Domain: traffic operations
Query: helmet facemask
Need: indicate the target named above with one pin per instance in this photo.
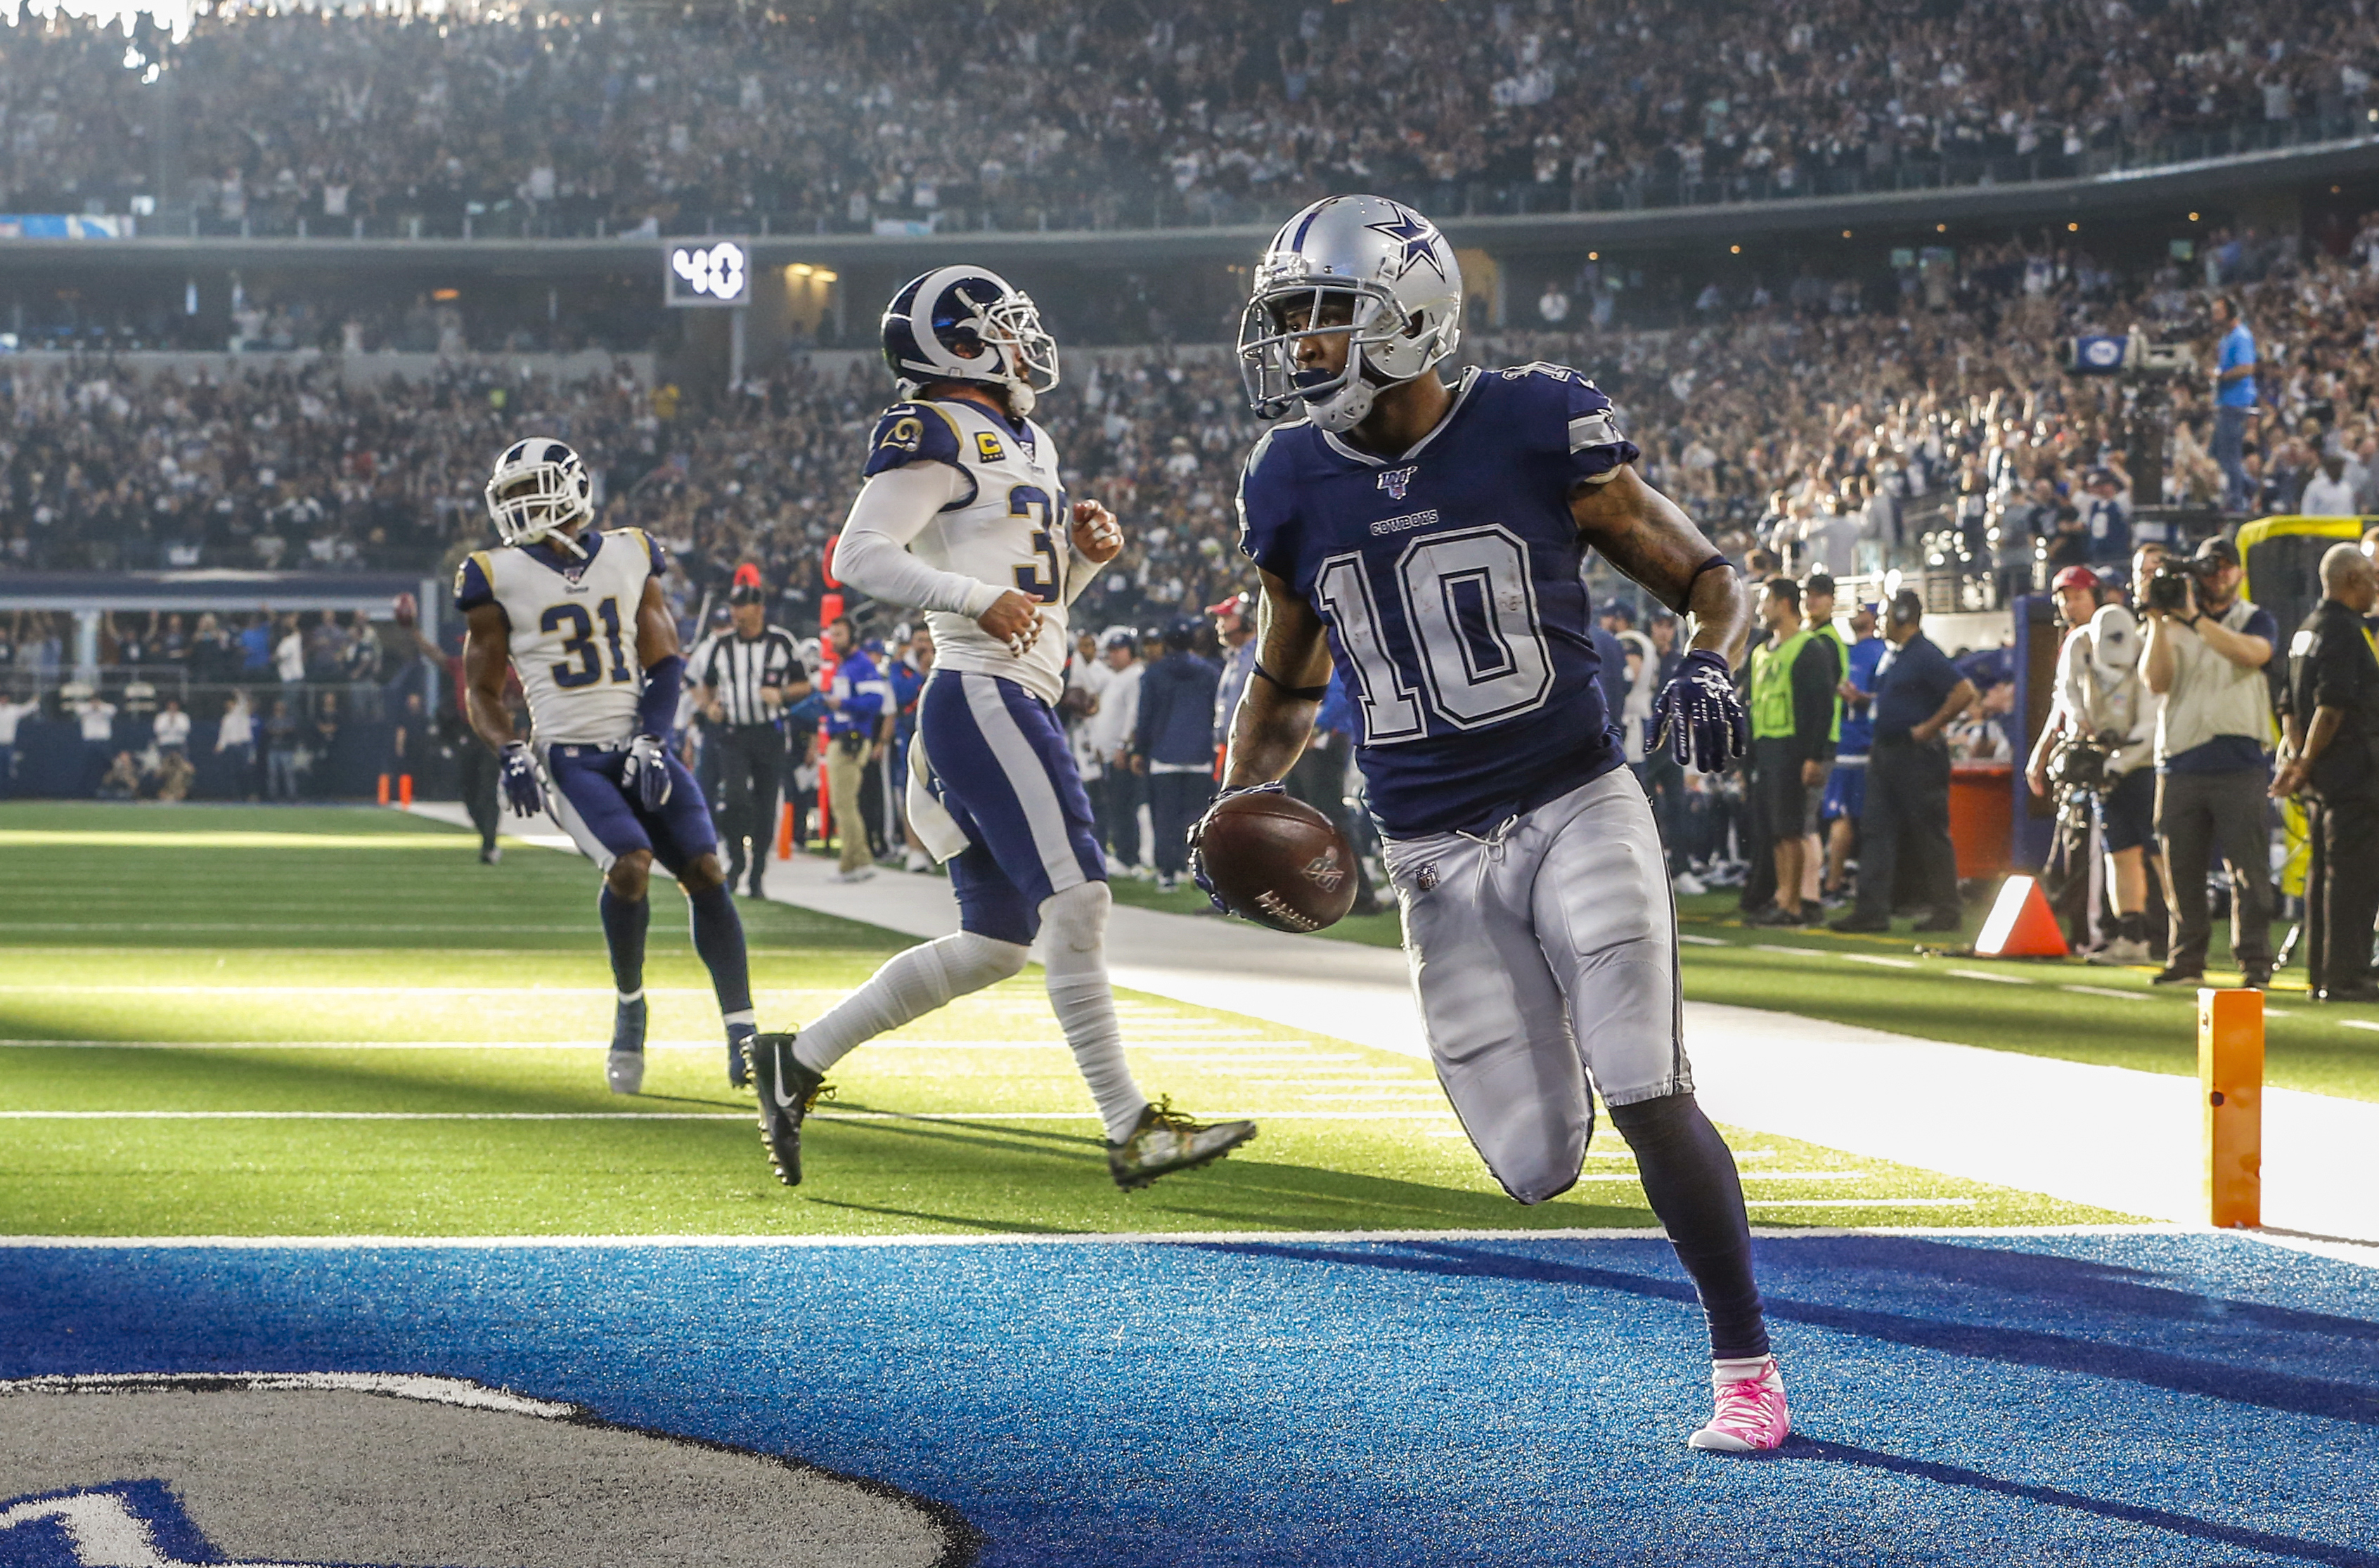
(1385, 346)
(540, 501)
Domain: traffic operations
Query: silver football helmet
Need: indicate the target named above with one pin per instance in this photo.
(539, 492)
(1384, 276)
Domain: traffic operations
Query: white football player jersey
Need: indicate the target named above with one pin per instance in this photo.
(1011, 531)
(574, 629)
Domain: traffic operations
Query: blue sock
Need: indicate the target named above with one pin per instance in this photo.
(718, 937)
(624, 933)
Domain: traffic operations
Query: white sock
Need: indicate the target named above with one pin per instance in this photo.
(1740, 1369)
(909, 985)
(1074, 952)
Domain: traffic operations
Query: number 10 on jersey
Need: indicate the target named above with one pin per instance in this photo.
(1469, 608)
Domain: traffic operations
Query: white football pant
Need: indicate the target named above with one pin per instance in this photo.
(1544, 959)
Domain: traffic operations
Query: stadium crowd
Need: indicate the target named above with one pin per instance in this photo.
(1852, 430)
(861, 113)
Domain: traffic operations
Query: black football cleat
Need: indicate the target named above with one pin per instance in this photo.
(786, 1090)
(1166, 1141)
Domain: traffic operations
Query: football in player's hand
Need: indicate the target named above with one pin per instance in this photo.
(1278, 862)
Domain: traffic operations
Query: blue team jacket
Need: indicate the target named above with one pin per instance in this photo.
(1177, 710)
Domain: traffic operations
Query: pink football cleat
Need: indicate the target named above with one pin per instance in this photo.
(1751, 1416)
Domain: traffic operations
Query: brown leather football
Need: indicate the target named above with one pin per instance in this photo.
(1278, 862)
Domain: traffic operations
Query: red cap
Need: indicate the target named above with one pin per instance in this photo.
(2076, 577)
(1238, 604)
(747, 577)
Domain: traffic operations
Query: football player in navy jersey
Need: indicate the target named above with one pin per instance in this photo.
(1428, 537)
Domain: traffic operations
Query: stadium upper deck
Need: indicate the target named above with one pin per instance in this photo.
(886, 117)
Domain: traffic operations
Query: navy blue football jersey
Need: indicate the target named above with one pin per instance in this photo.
(1449, 581)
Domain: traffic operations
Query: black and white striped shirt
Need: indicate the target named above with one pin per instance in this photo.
(736, 667)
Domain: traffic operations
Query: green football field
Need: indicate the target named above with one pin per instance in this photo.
(256, 1021)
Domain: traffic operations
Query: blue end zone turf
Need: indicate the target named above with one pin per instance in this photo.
(2153, 1399)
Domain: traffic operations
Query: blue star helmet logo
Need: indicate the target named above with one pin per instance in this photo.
(1418, 239)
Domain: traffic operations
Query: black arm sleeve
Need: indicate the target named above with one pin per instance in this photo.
(1814, 680)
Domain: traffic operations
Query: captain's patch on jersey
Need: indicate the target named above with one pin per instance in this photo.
(987, 447)
(283, 1470)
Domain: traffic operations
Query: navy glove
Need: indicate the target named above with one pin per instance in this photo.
(1700, 715)
(524, 790)
(1197, 834)
(647, 772)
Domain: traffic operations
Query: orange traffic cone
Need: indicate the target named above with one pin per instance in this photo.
(2021, 925)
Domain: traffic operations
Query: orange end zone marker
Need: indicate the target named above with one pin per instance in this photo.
(785, 831)
(2231, 1082)
(404, 790)
(383, 789)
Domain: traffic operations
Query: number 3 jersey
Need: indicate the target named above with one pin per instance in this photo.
(1005, 527)
(573, 627)
(1448, 580)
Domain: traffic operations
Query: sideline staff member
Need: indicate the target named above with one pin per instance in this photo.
(1918, 692)
(1794, 726)
(2206, 661)
(2333, 751)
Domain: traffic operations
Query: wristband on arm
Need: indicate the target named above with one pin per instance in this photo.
(1715, 564)
(1302, 694)
(657, 708)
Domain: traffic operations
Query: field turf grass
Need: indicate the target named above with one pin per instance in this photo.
(1908, 983)
(242, 1023)
(252, 1021)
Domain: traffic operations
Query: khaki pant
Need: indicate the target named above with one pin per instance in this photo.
(846, 775)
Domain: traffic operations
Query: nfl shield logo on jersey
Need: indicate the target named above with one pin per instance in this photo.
(1396, 481)
(297, 1470)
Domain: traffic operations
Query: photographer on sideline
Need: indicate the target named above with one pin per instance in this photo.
(2333, 757)
(2102, 704)
(2205, 652)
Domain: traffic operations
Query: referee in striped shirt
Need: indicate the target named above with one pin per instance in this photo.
(742, 684)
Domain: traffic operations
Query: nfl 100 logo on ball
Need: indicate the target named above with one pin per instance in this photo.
(1277, 862)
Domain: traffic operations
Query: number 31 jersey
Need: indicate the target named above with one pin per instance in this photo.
(1007, 527)
(1448, 581)
(573, 627)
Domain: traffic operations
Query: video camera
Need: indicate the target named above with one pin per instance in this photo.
(2133, 357)
(2168, 586)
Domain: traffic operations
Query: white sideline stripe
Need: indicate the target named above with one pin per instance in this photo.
(1790, 952)
(1858, 1203)
(1271, 1114)
(1175, 1055)
(2107, 991)
(1042, 1238)
(386, 993)
(1880, 958)
(1692, 941)
(1986, 974)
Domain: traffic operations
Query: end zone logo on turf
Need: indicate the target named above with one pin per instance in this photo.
(283, 1470)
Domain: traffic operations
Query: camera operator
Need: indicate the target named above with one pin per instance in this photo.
(2333, 757)
(2102, 706)
(2206, 653)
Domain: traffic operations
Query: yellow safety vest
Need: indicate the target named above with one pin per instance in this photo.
(1771, 687)
(1841, 671)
